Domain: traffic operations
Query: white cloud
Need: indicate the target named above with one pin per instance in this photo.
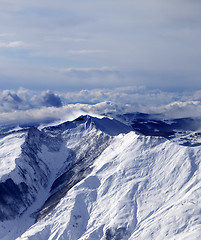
(14, 44)
(179, 109)
(53, 114)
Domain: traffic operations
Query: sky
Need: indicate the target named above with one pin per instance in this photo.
(62, 58)
(70, 45)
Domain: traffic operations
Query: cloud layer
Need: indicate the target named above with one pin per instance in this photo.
(30, 107)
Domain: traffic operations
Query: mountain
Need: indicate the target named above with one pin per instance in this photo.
(183, 131)
(133, 177)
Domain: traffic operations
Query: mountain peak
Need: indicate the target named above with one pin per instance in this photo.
(109, 126)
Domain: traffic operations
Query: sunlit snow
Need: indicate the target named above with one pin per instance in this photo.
(130, 186)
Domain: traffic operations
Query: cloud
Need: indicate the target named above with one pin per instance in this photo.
(51, 99)
(25, 99)
(14, 44)
(124, 95)
(45, 115)
(48, 114)
(178, 109)
(10, 101)
(139, 99)
(30, 107)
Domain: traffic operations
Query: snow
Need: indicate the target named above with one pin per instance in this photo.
(111, 126)
(44, 156)
(10, 149)
(140, 188)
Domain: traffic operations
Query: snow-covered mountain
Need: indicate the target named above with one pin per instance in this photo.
(133, 177)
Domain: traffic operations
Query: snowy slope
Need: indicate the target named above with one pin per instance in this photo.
(97, 179)
(140, 188)
(38, 160)
(10, 150)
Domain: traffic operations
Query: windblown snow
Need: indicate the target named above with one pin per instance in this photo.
(98, 179)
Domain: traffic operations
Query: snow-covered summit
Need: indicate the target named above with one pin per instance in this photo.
(109, 126)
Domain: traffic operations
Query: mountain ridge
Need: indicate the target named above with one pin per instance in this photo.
(105, 175)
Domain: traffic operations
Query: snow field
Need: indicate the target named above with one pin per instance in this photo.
(140, 188)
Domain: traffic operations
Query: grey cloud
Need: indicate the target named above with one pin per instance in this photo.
(50, 99)
(10, 100)
(11, 97)
(25, 100)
